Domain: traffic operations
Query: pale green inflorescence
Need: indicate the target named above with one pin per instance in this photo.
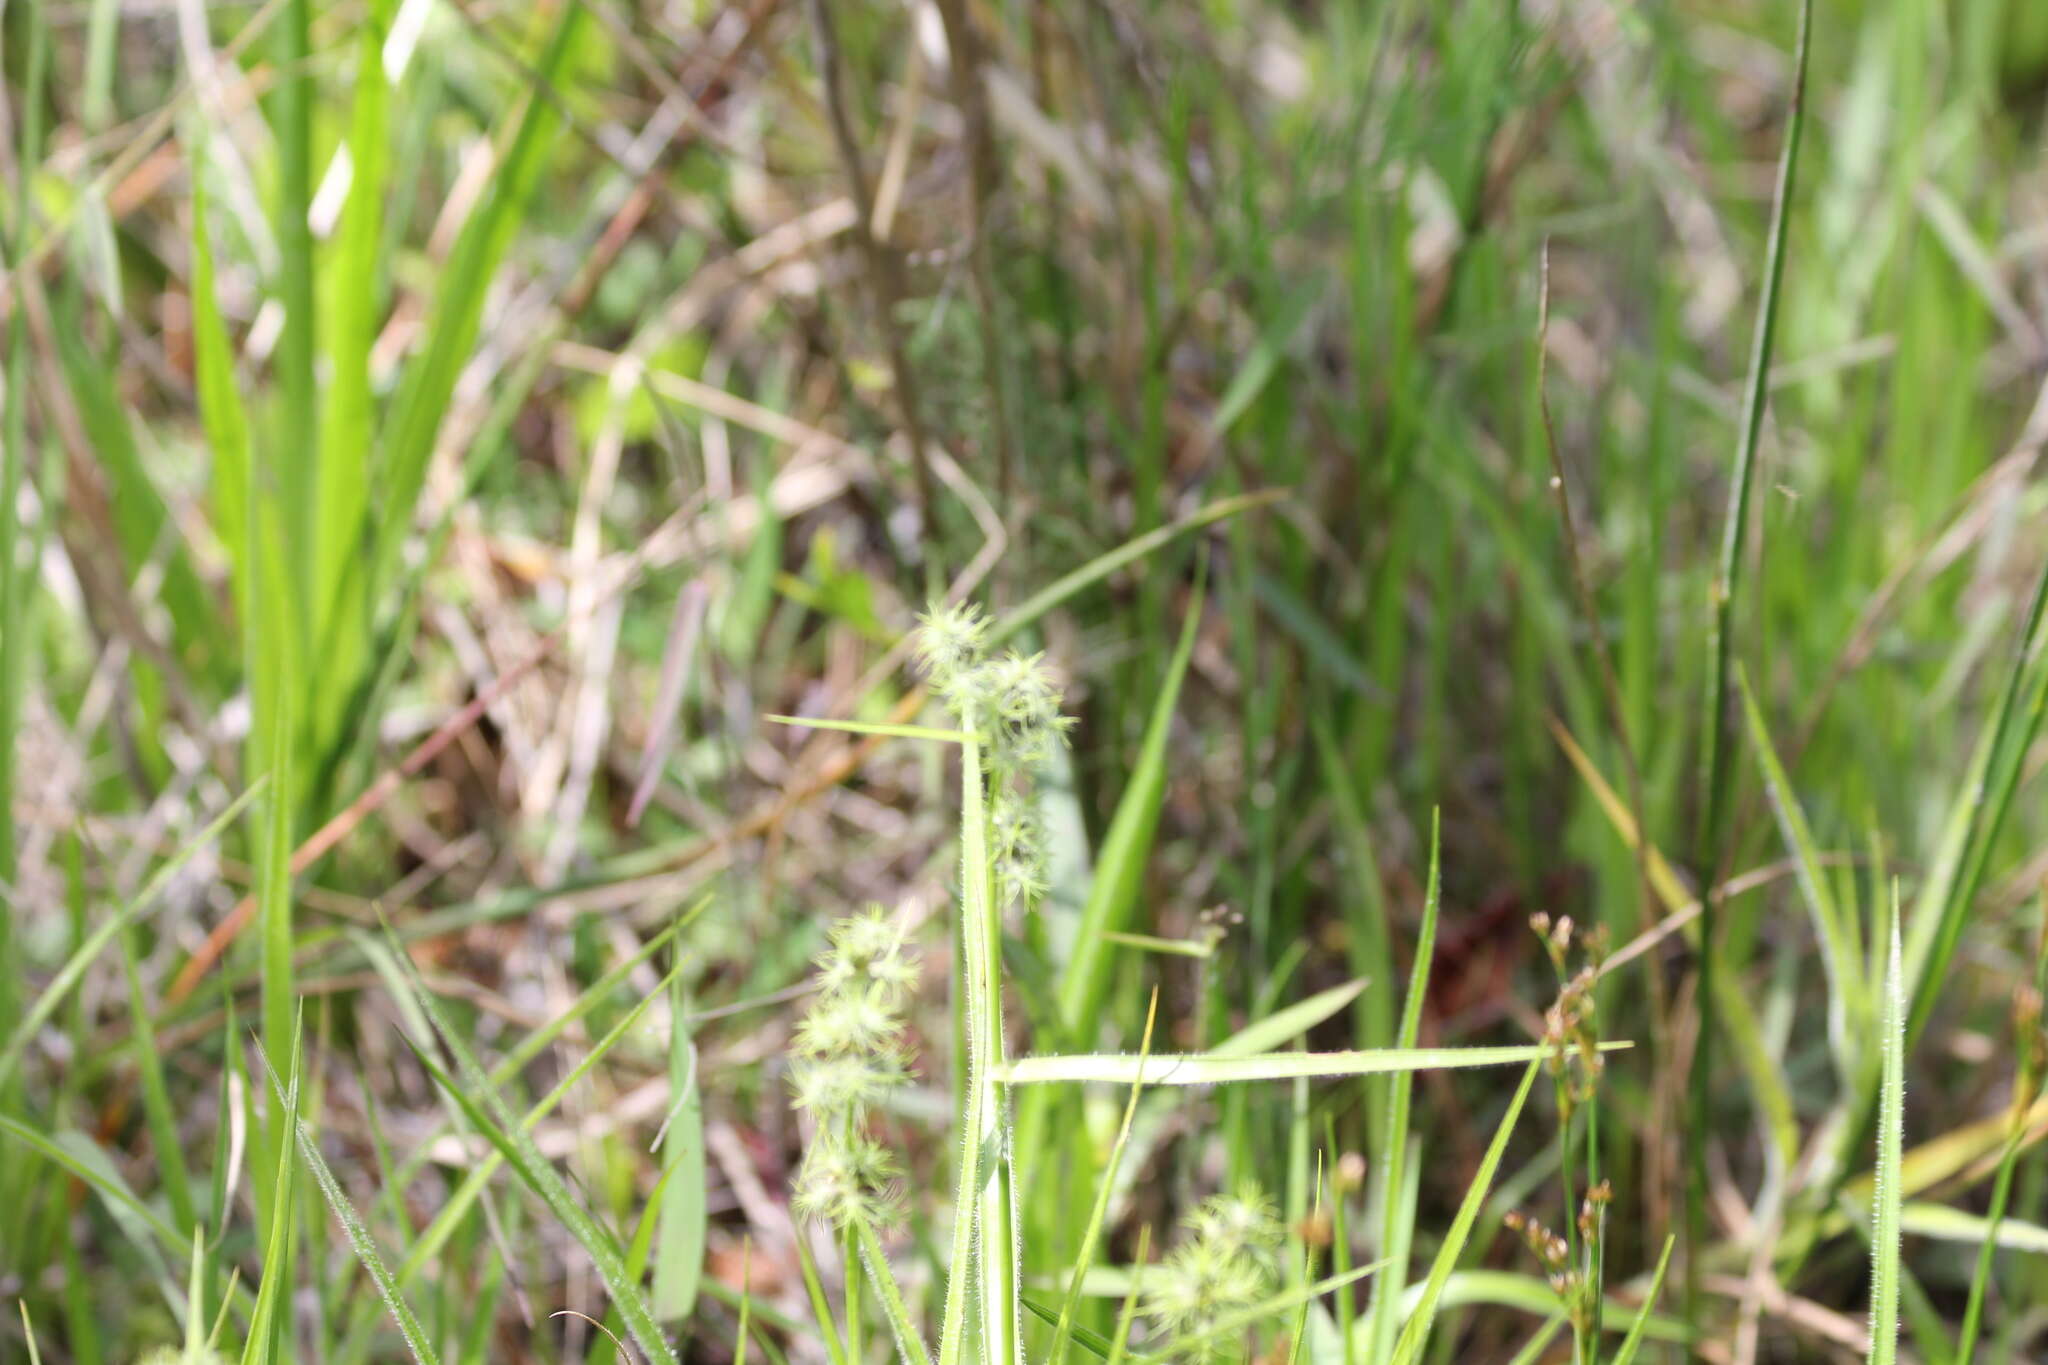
(1228, 1260)
(1010, 702)
(849, 1057)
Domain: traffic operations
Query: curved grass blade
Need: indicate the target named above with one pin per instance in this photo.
(1102, 566)
(1631, 1343)
(1415, 1334)
(1848, 1004)
(481, 1106)
(908, 1342)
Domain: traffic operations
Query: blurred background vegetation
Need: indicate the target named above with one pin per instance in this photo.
(473, 418)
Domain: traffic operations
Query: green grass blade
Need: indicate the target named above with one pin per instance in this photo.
(1719, 724)
(1400, 1091)
(274, 894)
(1102, 566)
(457, 316)
(821, 1311)
(908, 1342)
(105, 1182)
(1944, 905)
(1091, 1234)
(1630, 1344)
(156, 1097)
(221, 414)
(1847, 996)
(96, 943)
(348, 466)
(296, 448)
(484, 1110)
(1369, 938)
(679, 1238)
(1891, 1130)
(1120, 865)
(862, 727)
(1208, 1069)
(271, 1318)
(1531, 1353)
(1286, 1024)
(1415, 1333)
(364, 1245)
(1228, 1324)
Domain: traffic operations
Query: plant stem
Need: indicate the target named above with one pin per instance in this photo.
(995, 1259)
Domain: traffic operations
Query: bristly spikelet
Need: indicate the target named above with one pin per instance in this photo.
(851, 1178)
(848, 1058)
(1227, 1261)
(950, 642)
(1011, 704)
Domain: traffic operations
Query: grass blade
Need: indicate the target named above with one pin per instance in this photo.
(679, 1234)
(1132, 550)
(364, 1246)
(1847, 1001)
(96, 943)
(1415, 1334)
(270, 1320)
(482, 1107)
(1399, 1095)
(429, 383)
(1719, 724)
(1120, 865)
(862, 727)
(1209, 1069)
(1091, 1234)
(908, 1342)
(1891, 1128)
(1631, 1343)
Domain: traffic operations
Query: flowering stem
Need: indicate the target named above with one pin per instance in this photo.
(993, 1214)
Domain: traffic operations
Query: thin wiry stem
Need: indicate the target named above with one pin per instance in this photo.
(1719, 722)
(1610, 679)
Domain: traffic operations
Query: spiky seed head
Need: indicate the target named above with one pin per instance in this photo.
(950, 641)
(859, 1019)
(844, 1088)
(851, 1176)
(1243, 1223)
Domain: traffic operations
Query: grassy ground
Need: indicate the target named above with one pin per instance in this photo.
(1429, 444)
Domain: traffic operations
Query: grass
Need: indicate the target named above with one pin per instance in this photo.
(1424, 855)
